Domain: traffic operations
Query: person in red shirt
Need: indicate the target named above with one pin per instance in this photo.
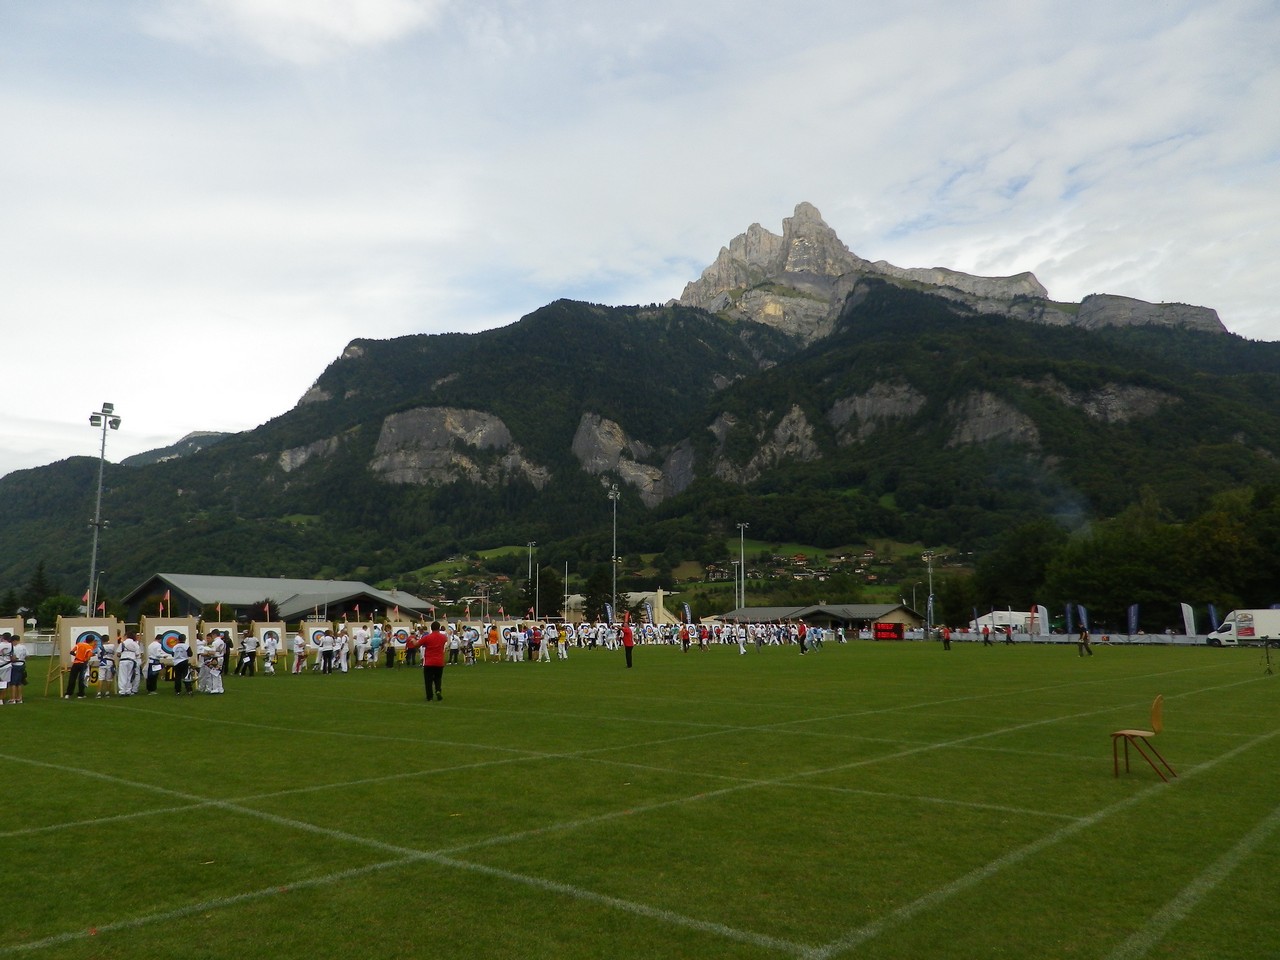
(433, 646)
(628, 641)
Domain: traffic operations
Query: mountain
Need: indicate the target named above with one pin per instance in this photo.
(819, 396)
(191, 443)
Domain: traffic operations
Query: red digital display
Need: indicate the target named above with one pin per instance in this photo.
(887, 631)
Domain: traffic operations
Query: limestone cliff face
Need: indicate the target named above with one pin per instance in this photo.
(295, 457)
(603, 447)
(1107, 310)
(440, 445)
(982, 417)
(1110, 403)
(1002, 288)
(857, 417)
(800, 281)
(792, 438)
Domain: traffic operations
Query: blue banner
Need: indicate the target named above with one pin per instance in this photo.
(1213, 618)
(688, 614)
(1071, 619)
(648, 611)
(608, 613)
(1133, 619)
(1084, 616)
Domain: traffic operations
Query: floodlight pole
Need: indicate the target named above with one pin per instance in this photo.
(742, 563)
(613, 561)
(531, 545)
(104, 418)
(928, 557)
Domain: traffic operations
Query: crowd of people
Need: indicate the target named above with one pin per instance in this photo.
(121, 666)
(13, 668)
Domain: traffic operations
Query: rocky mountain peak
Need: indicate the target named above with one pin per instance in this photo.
(799, 282)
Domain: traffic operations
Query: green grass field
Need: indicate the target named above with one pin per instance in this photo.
(870, 800)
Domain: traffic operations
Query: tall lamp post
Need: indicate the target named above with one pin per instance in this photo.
(928, 558)
(104, 418)
(613, 561)
(532, 544)
(742, 561)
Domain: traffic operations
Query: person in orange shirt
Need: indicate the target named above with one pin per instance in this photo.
(81, 653)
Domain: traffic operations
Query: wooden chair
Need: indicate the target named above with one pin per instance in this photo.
(1140, 737)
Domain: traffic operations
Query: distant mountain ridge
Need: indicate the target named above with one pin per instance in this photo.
(894, 407)
(801, 280)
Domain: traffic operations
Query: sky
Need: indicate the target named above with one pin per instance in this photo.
(205, 201)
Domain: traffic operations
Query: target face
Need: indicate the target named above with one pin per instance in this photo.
(170, 637)
(89, 635)
(400, 635)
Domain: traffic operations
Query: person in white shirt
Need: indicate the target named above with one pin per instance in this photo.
(270, 647)
(299, 652)
(155, 664)
(248, 656)
(181, 664)
(360, 640)
(17, 669)
(106, 668)
(130, 666)
(6, 665)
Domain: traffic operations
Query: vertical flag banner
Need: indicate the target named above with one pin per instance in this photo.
(688, 614)
(1213, 618)
(1071, 619)
(1133, 619)
(1084, 616)
(1188, 620)
(608, 613)
(648, 610)
(1042, 614)
(976, 626)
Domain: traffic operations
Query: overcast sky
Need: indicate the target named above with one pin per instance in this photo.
(204, 201)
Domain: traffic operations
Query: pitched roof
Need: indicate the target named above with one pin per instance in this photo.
(834, 611)
(293, 596)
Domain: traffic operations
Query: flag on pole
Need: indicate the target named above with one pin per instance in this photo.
(1133, 619)
(501, 612)
(1188, 620)
(1043, 613)
(218, 607)
(167, 609)
(85, 598)
(468, 611)
(357, 611)
(102, 606)
(688, 614)
(266, 610)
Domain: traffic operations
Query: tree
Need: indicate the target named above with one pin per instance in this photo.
(550, 593)
(55, 606)
(39, 588)
(597, 593)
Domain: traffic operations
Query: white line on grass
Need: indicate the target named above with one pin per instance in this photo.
(976, 876)
(1141, 941)
(402, 855)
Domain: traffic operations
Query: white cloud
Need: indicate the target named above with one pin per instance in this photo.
(212, 229)
(303, 32)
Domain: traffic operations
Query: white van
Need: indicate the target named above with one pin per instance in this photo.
(1251, 626)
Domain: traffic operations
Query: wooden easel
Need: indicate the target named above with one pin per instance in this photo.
(56, 673)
